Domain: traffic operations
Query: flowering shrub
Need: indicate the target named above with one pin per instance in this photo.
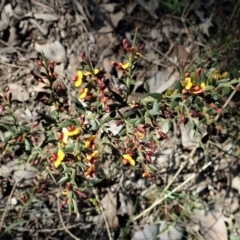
(75, 129)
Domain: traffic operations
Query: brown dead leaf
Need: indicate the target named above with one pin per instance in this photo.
(236, 183)
(40, 87)
(116, 18)
(109, 7)
(211, 225)
(126, 204)
(204, 27)
(19, 92)
(109, 204)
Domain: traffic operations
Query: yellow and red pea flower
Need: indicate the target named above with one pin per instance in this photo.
(68, 188)
(128, 159)
(95, 72)
(121, 66)
(92, 156)
(140, 134)
(191, 87)
(124, 66)
(70, 132)
(60, 158)
(129, 48)
(147, 174)
(135, 104)
(197, 89)
(80, 77)
(83, 93)
(187, 83)
(90, 141)
(90, 172)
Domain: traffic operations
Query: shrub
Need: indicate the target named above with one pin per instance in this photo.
(67, 143)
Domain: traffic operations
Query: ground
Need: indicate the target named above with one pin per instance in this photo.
(193, 196)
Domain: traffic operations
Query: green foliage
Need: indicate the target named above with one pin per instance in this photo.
(76, 138)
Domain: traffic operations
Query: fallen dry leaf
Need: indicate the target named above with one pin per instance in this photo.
(19, 92)
(109, 204)
(54, 51)
(162, 80)
(204, 27)
(211, 225)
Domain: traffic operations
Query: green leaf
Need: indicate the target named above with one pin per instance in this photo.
(75, 207)
(133, 120)
(157, 96)
(107, 119)
(152, 168)
(174, 104)
(148, 100)
(10, 129)
(146, 87)
(225, 91)
(69, 149)
(63, 179)
(12, 226)
(153, 112)
(94, 124)
(228, 83)
(48, 119)
(26, 128)
(66, 124)
(28, 146)
(123, 132)
(175, 95)
(215, 96)
(155, 106)
(8, 138)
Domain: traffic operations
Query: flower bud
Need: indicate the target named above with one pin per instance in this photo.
(114, 64)
(39, 63)
(141, 47)
(198, 71)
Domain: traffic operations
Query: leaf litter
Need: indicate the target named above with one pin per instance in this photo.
(61, 35)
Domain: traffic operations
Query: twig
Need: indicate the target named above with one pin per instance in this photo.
(8, 202)
(228, 100)
(82, 224)
(104, 217)
(161, 53)
(170, 193)
(63, 224)
(12, 65)
(180, 170)
(236, 7)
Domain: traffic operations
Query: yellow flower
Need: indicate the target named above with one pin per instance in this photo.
(90, 171)
(89, 141)
(187, 83)
(138, 54)
(95, 72)
(84, 93)
(203, 86)
(91, 156)
(140, 135)
(129, 159)
(60, 157)
(125, 65)
(74, 132)
(80, 77)
(64, 192)
(69, 133)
